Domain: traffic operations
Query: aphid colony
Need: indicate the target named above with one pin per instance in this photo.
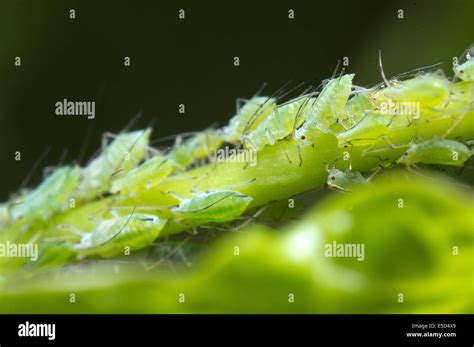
(357, 117)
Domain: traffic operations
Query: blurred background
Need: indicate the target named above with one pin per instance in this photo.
(190, 61)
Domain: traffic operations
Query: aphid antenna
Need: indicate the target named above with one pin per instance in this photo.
(35, 166)
(387, 83)
(277, 94)
(173, 137)
(334, 72)
(85, 142)
(308, 93)
(132, 121)
(139, 208)
(216, 202)
(117, 233)
(417, 71)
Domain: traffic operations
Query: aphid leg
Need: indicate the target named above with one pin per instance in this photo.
(250, 218)
(169, 254)
(72, 229)
(372, 175)
(283, 151)
(382, 149)
(339, 189)
(455, 123)
(236, 185)
(193, 188)
(300, 155)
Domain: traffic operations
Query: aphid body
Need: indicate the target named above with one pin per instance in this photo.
(49, 197)
(199, 146)
(125, 152)
(279, 124)
(112, 236)
(215, 206)
(248, 118)
(345, 180)
(437, 151)
(143, 177)
(327, 108)
(428, 90)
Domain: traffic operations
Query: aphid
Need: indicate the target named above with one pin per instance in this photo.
(345, 180)
(428, 90)
(216, 206)
(125, 152)
(248, 117)
(112, 236)
(49, 197)
(199, 146)
(437, 151)
(465, 70)
(326, 109)
(143, 177)
(280, 123)
(367, 131)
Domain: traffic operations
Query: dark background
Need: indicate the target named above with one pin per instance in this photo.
(190, 62)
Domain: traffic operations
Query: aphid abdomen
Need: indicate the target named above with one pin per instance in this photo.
(428, 90)
(279, 124)
(200, 146)
(217, 206)
(49, 197)
(125, 152)
(143, 177)
(369, 130)
(330, 103)
(113, 237)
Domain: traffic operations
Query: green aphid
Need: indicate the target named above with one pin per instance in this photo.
(327, 108)
(280, 123)
(367, 131)
(465, 70)
(115, 236)
(50, 197)
(429, 90)
(345, 180)
(200, 146)
(143, 177)
(217, 206)
(437, 151)
(248, 118)
(124, 153)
